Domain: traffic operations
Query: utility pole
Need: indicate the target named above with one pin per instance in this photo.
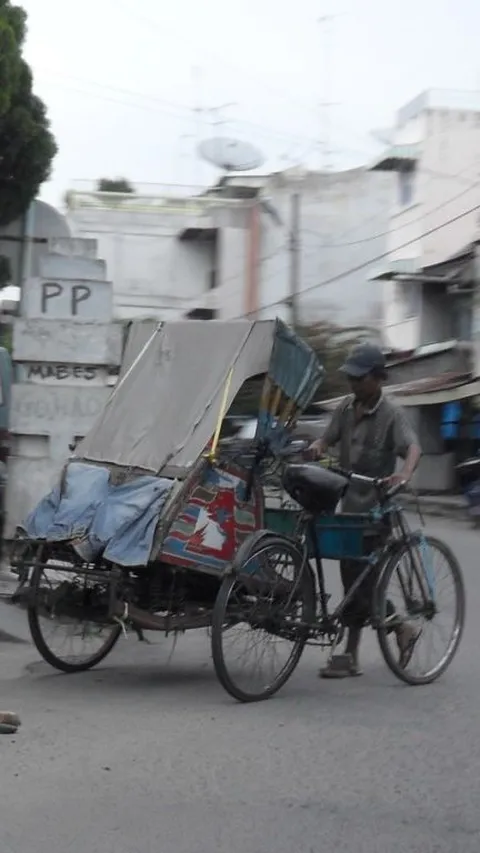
(294, 257)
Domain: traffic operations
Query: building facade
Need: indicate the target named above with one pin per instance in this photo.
(226, 252)
(434, 158)
(171, 255)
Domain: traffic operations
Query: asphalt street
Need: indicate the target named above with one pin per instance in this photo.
(147, 753)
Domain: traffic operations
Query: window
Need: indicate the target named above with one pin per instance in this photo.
(405, 186)
(408, 298)
(461, 318)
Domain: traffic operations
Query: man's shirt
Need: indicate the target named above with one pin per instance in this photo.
(369, 445)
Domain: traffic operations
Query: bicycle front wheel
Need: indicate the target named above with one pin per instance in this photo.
(420, 610)
(261, 617)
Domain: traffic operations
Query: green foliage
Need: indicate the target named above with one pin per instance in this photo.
(27, 147)
(6, 336)
(5, 271)
(114, 185)
(332, 344)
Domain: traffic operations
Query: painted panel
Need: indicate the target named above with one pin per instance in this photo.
(214, 521)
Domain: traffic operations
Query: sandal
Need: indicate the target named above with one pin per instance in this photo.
(341, 666)
(9, 723)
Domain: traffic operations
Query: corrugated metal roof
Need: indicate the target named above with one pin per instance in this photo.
(454, 265)
(433, 383)
(443, 382)
(401, 356)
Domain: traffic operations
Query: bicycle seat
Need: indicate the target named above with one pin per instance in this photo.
(316, 489)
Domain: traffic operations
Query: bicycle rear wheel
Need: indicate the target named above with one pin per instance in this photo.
(68, 621)
(261, 616)
(421, 573)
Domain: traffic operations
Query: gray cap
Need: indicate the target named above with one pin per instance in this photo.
(364, 359)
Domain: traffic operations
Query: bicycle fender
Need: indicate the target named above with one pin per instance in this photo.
(251, 543)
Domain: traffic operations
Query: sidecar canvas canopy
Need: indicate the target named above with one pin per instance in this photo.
(164, 409)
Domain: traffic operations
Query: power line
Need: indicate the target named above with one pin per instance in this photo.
(366, 264)
(472, 185)
(243, 71)
(184, 113)
(150, 24)
(285, 246)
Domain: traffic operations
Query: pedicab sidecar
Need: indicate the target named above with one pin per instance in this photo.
(149, 510)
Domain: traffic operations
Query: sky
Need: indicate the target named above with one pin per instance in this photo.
(132, 86)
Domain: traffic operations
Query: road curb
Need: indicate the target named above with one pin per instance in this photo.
(437, 508)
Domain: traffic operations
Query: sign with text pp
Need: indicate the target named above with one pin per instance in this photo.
(67, 299)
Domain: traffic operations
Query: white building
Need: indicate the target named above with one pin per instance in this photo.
(163, 251)
(227, 252)
(435, 156)
(343, 221)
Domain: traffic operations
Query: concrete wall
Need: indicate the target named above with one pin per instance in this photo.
(65, 347)
(451, 162)
(155, 273)
(343, 225)
(441, 217)
(230, 294)
(435, 472)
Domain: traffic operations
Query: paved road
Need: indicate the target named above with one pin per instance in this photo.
(148, 754)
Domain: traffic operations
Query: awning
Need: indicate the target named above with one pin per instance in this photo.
(395, 158)
(203, 235)
(439, 396)
(391, 269)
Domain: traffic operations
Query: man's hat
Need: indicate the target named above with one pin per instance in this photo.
(364, 359)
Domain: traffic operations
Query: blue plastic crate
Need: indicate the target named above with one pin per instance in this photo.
(282, 521)
(344, 536)
(339, 537)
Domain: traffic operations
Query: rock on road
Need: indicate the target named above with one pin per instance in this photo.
(147, 753)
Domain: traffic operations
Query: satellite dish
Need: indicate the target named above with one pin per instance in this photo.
(230, 154)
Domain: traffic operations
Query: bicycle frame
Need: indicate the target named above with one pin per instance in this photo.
(376, 561)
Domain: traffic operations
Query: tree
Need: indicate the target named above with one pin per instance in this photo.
(332, 344)
(114, 185)
(27, 147)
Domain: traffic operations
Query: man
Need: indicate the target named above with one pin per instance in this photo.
(372, 432)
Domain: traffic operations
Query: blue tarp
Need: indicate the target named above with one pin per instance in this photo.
(119, 521)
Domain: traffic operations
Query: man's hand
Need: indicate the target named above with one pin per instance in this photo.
(398, 479)
(316, 449)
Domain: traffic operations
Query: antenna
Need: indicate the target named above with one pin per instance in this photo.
(182, 154)
(218, 122)
(325, 22)
(196, 81)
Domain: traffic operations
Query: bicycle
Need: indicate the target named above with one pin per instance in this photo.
(276, 583)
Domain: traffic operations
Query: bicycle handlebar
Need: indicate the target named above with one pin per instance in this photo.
(297, 447)
(378, 483)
